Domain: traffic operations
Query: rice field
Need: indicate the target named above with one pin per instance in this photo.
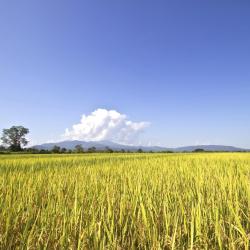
(125, 201)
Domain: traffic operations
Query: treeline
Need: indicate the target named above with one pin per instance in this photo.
(14, 140)
(78, 149)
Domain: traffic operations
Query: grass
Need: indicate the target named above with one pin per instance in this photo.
(125, 201)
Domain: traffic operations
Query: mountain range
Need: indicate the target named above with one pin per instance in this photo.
(102, 145)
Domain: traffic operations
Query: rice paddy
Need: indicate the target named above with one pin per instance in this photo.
(125, 201)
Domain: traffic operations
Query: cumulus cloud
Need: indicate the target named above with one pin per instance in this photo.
(105, 124)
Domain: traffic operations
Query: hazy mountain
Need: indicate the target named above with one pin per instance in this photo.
(99, 145)
(102, 145)
(210, 148)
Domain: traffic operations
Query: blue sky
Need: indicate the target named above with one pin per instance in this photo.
(182, 66)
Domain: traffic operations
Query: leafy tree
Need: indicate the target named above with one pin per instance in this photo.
(167, 151)
(79, 148)
(140, 150)
(14, 137)
(109, 150)
(92, 150)
(63, 150)
(56, 149)
(199, 150)
(32, 150)
(44, 151)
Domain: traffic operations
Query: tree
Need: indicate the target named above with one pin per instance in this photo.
(199, 150)
(140, 150)
(14, 137)
(92, 150)
(109, 150)
(63, 150)
(56, 149)
(32, 150)
(79, 148)
(44, 151)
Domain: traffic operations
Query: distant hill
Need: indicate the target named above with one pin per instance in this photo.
(102, 145)
(99, 145)
(210, 148)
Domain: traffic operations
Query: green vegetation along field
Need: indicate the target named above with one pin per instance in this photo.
(125, 201)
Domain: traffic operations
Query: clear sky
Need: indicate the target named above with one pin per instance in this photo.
(182, 66)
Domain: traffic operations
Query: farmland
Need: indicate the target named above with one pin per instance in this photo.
(125, 201)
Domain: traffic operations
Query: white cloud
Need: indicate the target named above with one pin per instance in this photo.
(105, 124)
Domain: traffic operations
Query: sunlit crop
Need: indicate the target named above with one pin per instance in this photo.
(125, 201)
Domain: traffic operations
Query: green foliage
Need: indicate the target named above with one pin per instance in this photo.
(79, 149)
(63, 150)
(125, 201)
(109, 150)
(56, 149)
(92, 149)
(199, 150)
(2, 148)
(14, 137)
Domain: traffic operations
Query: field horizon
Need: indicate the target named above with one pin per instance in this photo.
(103, 144)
